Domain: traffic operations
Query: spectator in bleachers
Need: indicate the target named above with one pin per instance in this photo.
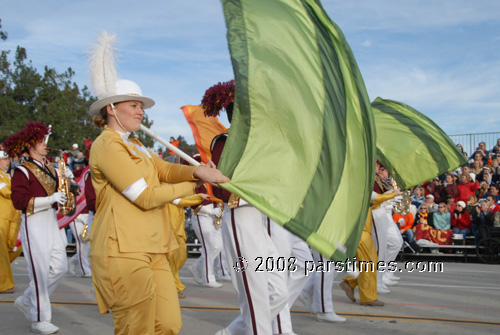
(434, 187)
(442, 219)
(496, 148)
(466, 169)
(461, 148)
(449, 187)
(495, 170)
(483, 190)
(429, 201)
(405, 223)
(424, 216)
(450, 203)
(494, 188)
(484, 220)
(477, 167)
(494, 206)
(460, 220)
(418, 197)
(466, 187)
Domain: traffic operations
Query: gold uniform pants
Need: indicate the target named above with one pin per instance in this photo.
(7, 256)
(367, 280)
(177, 258)
(146, 297)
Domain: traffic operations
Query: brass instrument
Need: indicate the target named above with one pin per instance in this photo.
(218, 219)
(65, 187)
(402, 207)
(197, 209)
(84, 235)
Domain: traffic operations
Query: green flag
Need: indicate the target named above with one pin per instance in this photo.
(411, 146)
(301, 146)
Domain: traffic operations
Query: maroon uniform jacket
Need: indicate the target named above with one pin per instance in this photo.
(26, 188)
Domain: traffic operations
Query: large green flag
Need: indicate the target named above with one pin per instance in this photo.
(301, 146)
(411, 146)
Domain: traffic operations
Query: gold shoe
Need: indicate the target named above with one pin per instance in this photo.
(349, 291)
(374, 303)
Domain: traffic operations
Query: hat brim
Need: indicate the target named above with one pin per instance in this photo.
(96, 107)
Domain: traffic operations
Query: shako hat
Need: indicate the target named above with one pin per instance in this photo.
(104, 80)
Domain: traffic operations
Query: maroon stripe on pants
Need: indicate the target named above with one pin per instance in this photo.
(243, 274)
(33, 270)
(204, 248)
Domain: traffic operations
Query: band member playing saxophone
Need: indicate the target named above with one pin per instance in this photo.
(34, 192)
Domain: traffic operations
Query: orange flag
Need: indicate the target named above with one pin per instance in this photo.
(204, 129)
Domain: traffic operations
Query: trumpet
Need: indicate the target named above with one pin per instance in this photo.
(65, 187)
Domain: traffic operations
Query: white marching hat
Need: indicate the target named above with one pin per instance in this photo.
(104, 80)
(126, 90)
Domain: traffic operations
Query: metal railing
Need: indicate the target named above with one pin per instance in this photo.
(470, 141)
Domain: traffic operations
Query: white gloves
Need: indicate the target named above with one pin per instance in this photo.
(216, 212)
(58, 197)
(397, 198)
(68, 174)
(43, 203)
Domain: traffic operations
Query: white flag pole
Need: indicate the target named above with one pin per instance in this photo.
(170, 146)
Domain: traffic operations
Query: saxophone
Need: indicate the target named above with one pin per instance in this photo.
(84, 235)
(402, 207)
(218, 219)
(69, 207)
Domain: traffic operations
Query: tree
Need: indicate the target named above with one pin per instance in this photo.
(189, 149)
(3, 35)
(52, 98)
(145, 139)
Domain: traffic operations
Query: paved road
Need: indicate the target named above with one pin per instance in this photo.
(463, 299)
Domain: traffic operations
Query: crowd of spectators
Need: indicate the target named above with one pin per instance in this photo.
(464, 202)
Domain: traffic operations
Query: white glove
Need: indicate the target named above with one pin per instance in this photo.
(216, 212)
(58, 197)
(68, 174)
(398, 198)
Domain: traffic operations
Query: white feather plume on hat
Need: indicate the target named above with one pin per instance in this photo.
(104, 81)
(102, 66)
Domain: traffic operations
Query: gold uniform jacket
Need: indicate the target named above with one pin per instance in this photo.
(130, 204)
(10, 218)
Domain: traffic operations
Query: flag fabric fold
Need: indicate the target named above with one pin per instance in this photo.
(204, 129)
(301, 147)
(411, 146)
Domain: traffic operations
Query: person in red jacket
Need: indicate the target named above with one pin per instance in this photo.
(466, 187)
(460, 220)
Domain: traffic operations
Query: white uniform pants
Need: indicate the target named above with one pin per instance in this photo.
(386, 236)
(320, 285)
(295, 253)
(82, 255)
(44, 248)
(210, 237)
(261, 294)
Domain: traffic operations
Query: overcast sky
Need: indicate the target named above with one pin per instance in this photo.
(440, 57)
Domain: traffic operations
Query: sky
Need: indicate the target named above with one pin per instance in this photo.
(440, 57)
